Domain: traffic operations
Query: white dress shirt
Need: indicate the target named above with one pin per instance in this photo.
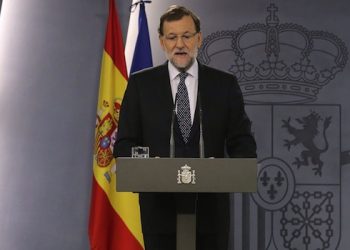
(191, 84)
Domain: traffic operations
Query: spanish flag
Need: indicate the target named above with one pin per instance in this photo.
(114, 217)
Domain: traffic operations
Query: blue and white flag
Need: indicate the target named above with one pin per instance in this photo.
(138, 46)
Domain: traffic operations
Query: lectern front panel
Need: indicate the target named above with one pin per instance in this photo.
(186, 175)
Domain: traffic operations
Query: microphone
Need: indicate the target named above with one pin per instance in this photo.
(172, 141)
(201, 141)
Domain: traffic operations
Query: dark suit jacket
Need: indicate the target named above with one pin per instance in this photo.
(146, 111)
(145, 120)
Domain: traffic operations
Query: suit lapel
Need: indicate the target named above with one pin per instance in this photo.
(163, 94)
(165, 89)
(203, 87)
(202, 91)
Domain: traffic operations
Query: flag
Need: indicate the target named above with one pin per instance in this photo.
(115, 222)
(138, 46)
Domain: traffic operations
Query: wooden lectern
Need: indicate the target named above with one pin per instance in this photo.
(195, 175)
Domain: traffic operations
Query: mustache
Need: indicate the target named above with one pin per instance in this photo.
(180, 51)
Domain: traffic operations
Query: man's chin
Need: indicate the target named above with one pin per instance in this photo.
(182, 66)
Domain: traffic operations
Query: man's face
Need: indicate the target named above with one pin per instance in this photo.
(180, 42)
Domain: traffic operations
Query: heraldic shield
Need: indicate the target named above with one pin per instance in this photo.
(299, 175)
(281, 68)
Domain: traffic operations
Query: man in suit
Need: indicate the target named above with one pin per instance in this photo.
(146, 120)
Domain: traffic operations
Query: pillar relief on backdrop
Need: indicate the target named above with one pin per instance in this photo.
(281, 68)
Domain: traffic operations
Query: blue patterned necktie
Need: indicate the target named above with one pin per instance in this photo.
(183, 108)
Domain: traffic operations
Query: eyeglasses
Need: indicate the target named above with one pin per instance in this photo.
(187, 37)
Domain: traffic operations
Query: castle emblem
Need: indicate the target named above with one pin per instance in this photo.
(186, 175)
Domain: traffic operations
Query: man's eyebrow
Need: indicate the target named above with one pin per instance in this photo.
(186, 32)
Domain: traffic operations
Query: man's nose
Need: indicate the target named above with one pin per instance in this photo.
(179, 42)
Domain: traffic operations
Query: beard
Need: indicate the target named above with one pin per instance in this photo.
(182, 65)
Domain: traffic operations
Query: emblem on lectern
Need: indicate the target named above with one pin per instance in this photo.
(186, 175)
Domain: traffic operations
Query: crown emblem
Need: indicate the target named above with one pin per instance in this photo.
(277, 63)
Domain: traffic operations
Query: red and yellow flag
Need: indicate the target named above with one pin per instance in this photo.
(115, 222)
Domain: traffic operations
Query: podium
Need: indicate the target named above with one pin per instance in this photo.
(181, 175)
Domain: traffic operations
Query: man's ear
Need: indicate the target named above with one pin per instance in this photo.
(161, 42)
(200, 39)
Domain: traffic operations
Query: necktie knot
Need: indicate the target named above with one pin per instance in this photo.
(183, 76)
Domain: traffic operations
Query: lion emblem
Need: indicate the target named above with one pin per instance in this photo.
(306, 136)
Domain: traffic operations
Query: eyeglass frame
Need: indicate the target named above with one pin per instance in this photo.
(186, 37)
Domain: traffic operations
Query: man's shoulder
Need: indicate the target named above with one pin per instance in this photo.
(150, 72)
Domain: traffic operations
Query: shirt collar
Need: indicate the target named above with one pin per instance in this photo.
(174, 72)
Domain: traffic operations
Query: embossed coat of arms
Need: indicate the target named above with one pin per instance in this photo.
(281, 68)
(186, 175)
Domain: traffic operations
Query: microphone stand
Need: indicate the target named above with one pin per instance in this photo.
(201, 141)
(172, 141)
